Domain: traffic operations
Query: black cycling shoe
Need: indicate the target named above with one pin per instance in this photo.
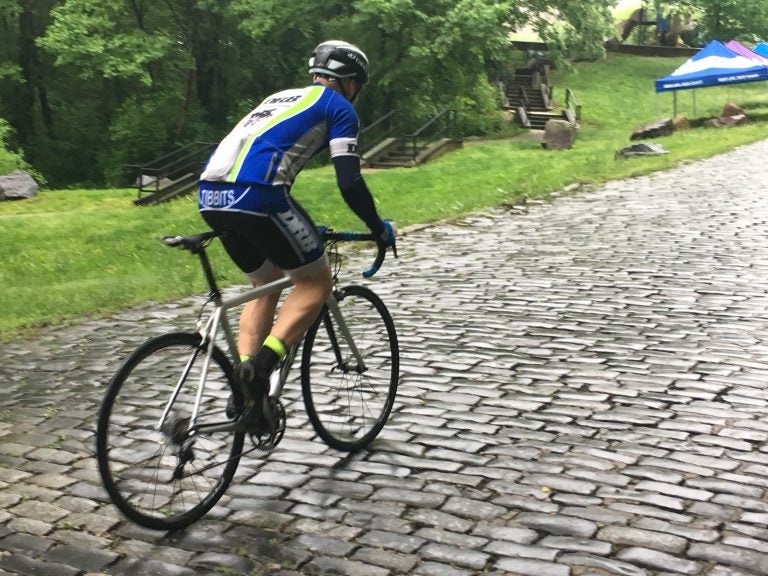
(231, 410)
(258, 414)
(245, 374)
(258, 417)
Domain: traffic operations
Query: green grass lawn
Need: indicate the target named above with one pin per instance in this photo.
(70, 253)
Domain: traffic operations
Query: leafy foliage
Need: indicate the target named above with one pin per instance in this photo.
(728, 19)
(104, 39)
(9, 160)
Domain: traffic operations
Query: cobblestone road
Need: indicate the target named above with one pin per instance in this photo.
(583, 393)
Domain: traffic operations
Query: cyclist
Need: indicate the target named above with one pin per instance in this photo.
(245, 193)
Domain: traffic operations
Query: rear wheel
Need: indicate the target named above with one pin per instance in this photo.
(349, 403)
(162, 477)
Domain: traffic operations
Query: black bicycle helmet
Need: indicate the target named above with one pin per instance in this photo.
(339, 59)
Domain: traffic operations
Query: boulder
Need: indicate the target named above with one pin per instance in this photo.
(731, 109)
(558, 135)
(681, 123)
(17, 185)
(733, 120)
(663, 127)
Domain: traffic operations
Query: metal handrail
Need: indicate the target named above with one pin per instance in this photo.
(413, 137)
(171, 165)
(522, 109)
(524, 101)
(371, 127)
(572, 104)
(377, 122)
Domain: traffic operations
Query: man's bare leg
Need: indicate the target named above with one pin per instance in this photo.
(301, 307)
(257, 318)
(255, 323)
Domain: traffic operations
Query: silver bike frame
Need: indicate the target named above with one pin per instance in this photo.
(209, 330)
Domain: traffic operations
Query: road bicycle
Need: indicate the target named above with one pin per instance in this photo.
(169, 435)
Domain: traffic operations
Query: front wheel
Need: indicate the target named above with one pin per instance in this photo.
(349, 398)
(159, 474)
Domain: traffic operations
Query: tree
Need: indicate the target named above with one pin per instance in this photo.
(729, 19)
(156, 67)
(425, 56)
(573, 30)
(22, 67)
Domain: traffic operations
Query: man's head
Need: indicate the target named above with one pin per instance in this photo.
(341, 66)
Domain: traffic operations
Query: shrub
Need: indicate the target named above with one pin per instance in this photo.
(9, 160)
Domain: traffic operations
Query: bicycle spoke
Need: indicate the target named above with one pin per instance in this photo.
(348, 408)
(167, 478)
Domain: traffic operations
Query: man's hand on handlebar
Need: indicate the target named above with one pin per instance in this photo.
(383, 241)
(389, 236)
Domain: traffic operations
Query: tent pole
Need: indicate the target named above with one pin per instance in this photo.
(694, 103)
(674, 103)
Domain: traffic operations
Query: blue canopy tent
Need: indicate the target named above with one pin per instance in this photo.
(713, 65)
(761, 49)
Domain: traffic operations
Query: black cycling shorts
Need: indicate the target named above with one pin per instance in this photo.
(282, 234)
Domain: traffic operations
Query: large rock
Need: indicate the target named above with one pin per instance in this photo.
(661, 128)
(681, 123)
(17, 185)
(731, 109)
(558, 135)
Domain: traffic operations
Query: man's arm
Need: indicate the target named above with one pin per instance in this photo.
(355, 192)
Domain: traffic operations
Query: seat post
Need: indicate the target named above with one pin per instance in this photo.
(208, 271)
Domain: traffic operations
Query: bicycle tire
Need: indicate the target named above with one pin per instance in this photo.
(137, 461)
(348, 409)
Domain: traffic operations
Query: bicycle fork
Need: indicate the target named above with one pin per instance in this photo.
(332, 304)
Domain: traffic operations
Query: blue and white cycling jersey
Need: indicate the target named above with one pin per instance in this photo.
(269, 146)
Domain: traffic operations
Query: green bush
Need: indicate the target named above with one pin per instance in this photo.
(9, 160)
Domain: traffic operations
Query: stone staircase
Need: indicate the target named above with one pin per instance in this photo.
(400, 152)
(529, 96)
(169, 189)
(426, 143)
(170, 176)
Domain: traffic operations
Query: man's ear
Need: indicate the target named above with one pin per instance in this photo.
(353, 87)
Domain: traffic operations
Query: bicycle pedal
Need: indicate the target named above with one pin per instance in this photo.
(231, 411)
(267, 441)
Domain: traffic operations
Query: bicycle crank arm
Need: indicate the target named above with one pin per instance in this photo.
(229, 426)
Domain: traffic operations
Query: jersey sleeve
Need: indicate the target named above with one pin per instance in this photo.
(343, 127)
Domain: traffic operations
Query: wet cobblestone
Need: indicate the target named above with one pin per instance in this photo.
(583, 393)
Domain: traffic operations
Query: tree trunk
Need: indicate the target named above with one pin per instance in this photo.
(25, 96)
(181, 126)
